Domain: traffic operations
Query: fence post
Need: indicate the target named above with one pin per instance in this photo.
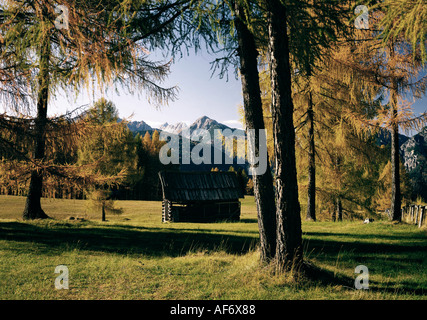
(422, 216)
(417, 214)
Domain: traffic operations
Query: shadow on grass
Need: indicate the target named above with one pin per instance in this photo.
(248, 220)
(329, 278)
(325, 277)
(386, 260)
(123, 239)
(333, 246)
(54, 238)
(371, 236)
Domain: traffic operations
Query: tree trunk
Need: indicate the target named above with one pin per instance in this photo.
(103, 211)
(334, 212)
(311, 192)
(396, 200)
(289, 236)
(33, 209)
(263, 183)
(339, 209)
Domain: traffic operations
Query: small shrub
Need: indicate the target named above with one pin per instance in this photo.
(100, 201)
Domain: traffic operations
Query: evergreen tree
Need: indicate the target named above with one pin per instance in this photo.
(289, 235)
(100, 200)
(407, 19)
(396, 69)
(95, 44)
(111, 146)
(146, 141)
(253, 114)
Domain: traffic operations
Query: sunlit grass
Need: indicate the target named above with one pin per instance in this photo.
(136, 256)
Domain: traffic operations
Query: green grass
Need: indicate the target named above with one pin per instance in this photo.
(136, 256)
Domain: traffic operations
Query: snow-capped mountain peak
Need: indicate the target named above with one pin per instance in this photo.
(174, 128)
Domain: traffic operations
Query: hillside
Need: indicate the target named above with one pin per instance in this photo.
(184, 132)
(414, 157)
(138, 126)
(413, 154)
(413, 150)
(203, 122)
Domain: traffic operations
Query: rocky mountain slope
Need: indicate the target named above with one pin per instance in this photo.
(137, 126)
(384, 138)
(413, 154)
(174, 128)
(204, 122)
(413, 150)
(414, 157)
(184, 131)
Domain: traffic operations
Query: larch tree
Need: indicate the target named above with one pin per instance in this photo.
(387, 59)
(289, 235)
(254, 119)
(400, 78)
(290, 26)
(405, 19)
(93, 41)
(403, 23)
(313, 29)
(309, 35)
(109, 145)
(343, 93)
(109, 150)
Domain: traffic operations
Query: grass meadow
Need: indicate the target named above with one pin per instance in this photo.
(136, 256)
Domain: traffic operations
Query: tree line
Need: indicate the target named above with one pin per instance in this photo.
(329, 84)
(122, 164)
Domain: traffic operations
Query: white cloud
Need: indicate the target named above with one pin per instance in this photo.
(233, 123)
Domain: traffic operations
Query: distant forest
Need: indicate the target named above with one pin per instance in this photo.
(110, 148)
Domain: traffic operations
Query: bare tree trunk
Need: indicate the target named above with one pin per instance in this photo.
(334, 212)
(339, 209)
(311, 193)
(263, 183)
(33, 208)
(103, 211)
(396, 200)
(289, 236)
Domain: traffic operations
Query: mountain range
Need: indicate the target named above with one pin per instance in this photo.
(413, 150)
(184, 132)
(138, 126)
(413, 153)
(174, 128)
(204, 122)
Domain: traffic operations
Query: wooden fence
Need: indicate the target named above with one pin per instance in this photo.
(415, 214)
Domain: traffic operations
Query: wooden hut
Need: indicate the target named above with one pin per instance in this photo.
(200, 196)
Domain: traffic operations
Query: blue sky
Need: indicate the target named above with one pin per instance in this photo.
(199, 95)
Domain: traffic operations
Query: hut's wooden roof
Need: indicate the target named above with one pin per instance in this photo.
(199, 186)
